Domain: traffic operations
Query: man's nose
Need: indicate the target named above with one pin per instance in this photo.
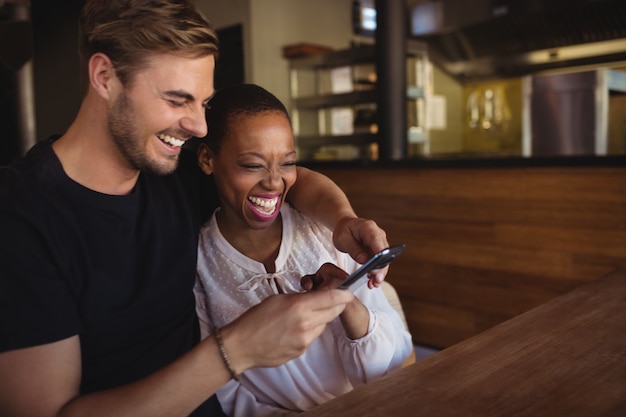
(195, 121)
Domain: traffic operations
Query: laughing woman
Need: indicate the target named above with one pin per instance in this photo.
(256, 246)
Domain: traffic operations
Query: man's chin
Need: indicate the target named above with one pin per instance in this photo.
(164, 167)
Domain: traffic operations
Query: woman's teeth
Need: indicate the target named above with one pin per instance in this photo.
(265, 205)
(171, 140)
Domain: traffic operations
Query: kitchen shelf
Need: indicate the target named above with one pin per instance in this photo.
(357, 139)
(334, 100)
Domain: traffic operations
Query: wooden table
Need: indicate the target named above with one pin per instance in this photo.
(564, 358)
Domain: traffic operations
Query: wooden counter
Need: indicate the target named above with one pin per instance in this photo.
(564, 358)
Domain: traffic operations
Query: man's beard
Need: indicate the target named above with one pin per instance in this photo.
(122, 127)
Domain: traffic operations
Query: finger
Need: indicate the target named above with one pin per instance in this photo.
(370, 235)
(372, 238)
(377, 277)
(328, 300)
(310, 282)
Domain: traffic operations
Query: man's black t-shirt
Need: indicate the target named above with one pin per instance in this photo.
(116, 270)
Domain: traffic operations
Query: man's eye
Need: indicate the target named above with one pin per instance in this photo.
(177, 103)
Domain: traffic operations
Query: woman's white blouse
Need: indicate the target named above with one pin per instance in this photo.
(228, 283)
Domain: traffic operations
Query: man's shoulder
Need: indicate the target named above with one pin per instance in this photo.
(30, 167)
(26, 174)
(27, 190)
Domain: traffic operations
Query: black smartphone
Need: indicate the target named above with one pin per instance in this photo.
(380, 260)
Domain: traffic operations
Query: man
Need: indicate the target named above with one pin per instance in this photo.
(98, 244)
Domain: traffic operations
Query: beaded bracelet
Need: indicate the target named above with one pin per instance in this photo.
(220, 346)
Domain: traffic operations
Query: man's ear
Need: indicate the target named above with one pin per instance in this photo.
(205, 158)
(102, 77)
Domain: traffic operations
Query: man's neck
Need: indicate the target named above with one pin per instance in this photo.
(91, 164)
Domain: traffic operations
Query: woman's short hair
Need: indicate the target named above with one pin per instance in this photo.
(230, 103)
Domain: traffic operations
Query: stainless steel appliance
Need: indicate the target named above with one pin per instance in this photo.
(568, 113)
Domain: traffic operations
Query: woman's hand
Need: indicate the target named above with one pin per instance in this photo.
(355, 316)
(328, 276)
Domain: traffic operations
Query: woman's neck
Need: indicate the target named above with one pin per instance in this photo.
(261, 245)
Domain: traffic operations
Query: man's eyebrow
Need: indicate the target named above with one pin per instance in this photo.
(187, 96)
(180, 94)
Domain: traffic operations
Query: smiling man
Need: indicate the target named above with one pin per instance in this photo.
(98, 242)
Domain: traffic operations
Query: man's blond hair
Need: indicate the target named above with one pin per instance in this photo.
(131, 31)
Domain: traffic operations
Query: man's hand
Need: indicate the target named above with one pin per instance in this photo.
(361, 239)
(281, 327)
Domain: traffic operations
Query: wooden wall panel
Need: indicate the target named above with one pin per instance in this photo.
(486, 244)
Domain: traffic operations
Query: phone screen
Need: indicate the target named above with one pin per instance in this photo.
(380, 260)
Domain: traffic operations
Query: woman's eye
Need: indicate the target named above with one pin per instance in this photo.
(289, 164)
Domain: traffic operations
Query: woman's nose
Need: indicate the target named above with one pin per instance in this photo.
(273, 179)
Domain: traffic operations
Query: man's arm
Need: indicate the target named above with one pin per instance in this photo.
(320, 198)
(44, 381)
(38, 380)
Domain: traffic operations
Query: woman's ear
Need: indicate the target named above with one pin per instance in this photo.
(205, 158)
